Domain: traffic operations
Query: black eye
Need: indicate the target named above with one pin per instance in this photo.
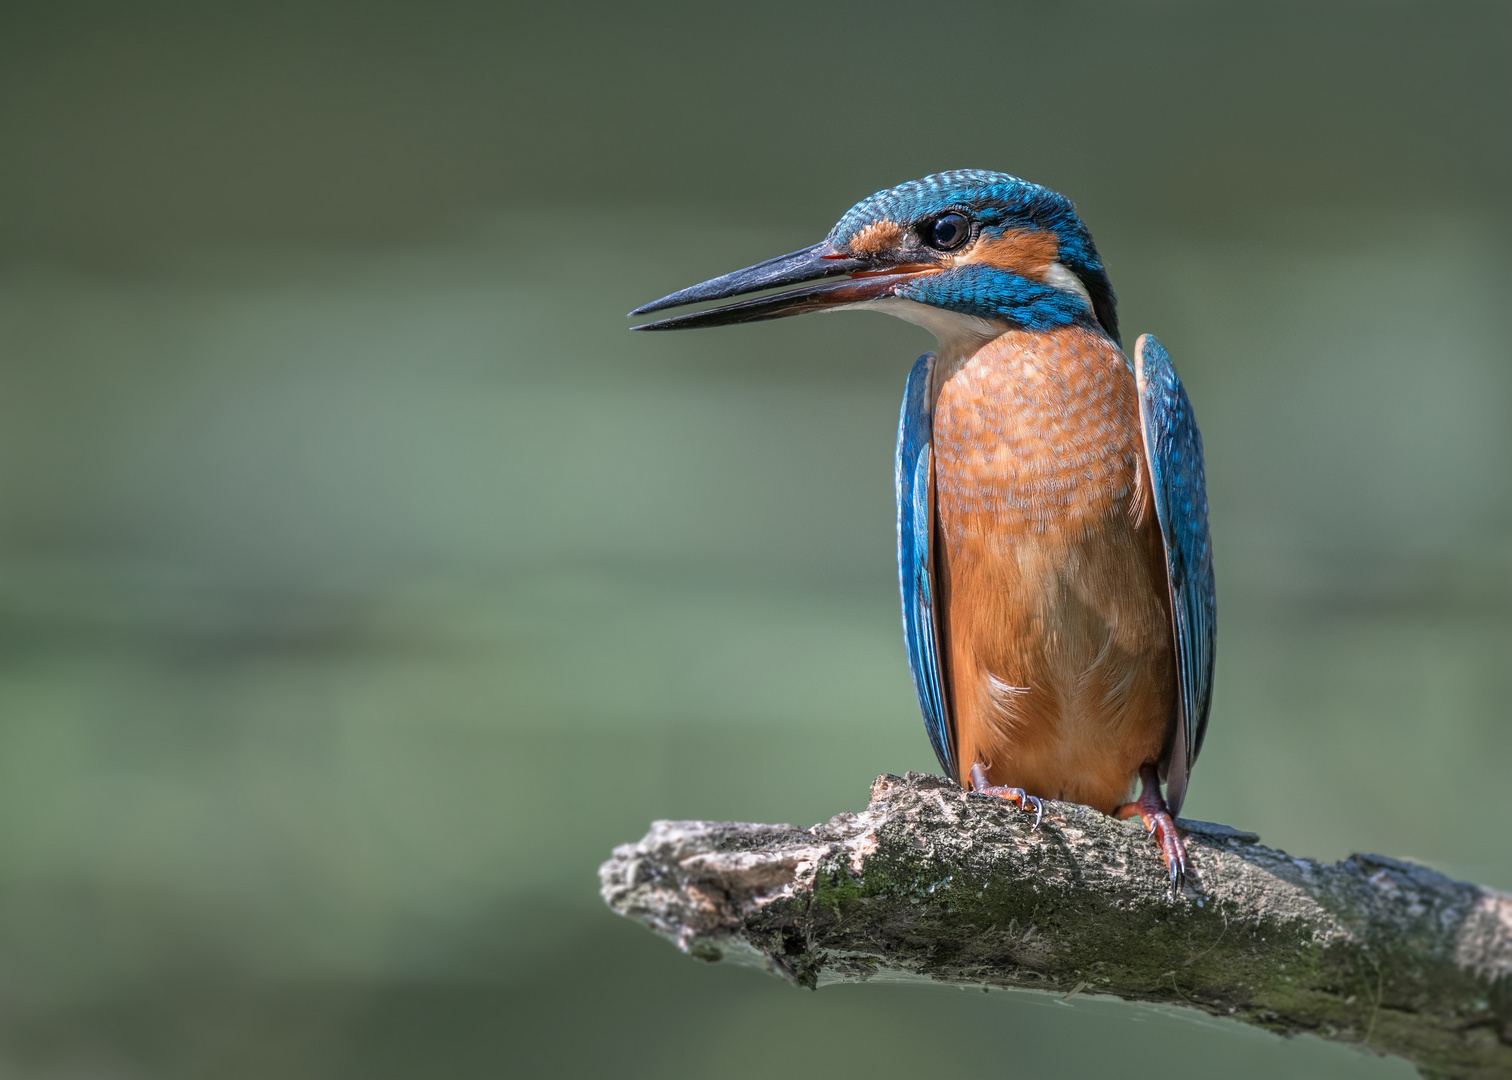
(947, 231)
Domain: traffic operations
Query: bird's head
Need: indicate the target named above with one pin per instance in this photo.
(965, 254)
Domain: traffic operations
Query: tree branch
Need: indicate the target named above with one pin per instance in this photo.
(932, 882)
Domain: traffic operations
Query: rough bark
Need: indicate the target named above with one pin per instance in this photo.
(932, 882)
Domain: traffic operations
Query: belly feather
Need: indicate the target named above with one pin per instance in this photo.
(1056, 625)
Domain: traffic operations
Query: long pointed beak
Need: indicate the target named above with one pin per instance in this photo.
(811, 264)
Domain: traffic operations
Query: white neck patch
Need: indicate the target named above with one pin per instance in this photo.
(1058, 277)
(957, 334)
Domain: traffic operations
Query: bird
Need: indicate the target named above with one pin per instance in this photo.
(1054, 559)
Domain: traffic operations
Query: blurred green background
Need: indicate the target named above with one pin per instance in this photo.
(363, 582)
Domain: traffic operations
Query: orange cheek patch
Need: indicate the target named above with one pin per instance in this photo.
(876, 238)
(1019, 251)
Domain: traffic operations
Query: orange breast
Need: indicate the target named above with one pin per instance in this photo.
(1056, 615)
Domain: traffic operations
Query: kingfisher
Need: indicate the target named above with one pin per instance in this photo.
(1054, 560)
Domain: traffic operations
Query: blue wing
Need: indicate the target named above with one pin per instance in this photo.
(1173, 451)
(915, 487)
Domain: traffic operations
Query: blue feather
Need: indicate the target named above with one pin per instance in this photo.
(1173, 450)
(915, 485)
(992, 293)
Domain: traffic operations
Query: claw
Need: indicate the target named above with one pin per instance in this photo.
(1018, 796)
(1171, 849)
(1039, 809)
(1160, 826)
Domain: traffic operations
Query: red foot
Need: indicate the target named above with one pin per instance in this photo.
(1015, 795)
(1153, 811)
